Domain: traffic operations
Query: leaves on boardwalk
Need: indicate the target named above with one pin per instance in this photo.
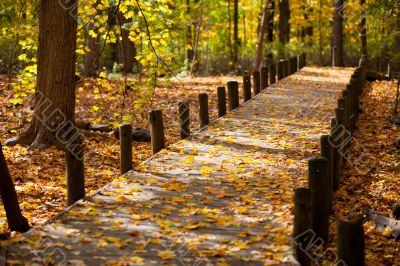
(224, 196)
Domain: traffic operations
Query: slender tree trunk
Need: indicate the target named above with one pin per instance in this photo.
(91, 57)
(284, 25)
(16, 221)
(260, 44)
(189, 38)
(363, 30)
(230, 31)
(321, 60)
(270, 26)
(55, 90)
(235, 32)
(126, 49)
(337, 36)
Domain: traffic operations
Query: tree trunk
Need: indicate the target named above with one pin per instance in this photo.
(270, 26)
(91, 57)
(16, 221)
(284, 26)
(235, 32)
(363, 30)
(337, 36)
(189, 38)
(53, 120)
(260, 44)
(126, 49)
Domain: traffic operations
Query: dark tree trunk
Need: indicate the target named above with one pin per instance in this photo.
(189, 38)
(363, 30)
(126, 49)
(16, 221)
(235, 32)
(260, 44)
(270, 26)
(53, 120)
(91, 57)
(308, 30)
(284, 17)
(337, 36)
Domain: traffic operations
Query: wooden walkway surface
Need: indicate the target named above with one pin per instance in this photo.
(222, 197)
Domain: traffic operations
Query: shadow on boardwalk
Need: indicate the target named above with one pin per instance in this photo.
(222, 197)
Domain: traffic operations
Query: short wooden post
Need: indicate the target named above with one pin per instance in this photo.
(272, 73)
(335, 156)
(16, 221)
(281, 73)
(264, 78)
(125, 143)
(318, 180)
(184, 120)
(350, 243)
(233, 95)
(75, 173)
(156, 130)
(304, 55)
(203, 111)
(293, 65)
(300, 59)
(327, 152)
(256, 82)
(302, 228)
(389, 71)
(221, 95)
(246, 88)
(286, 68)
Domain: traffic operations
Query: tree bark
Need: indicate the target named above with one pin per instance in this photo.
(363, 30)
(270, 26)
(53, 120)
(189, 38)
(260, 44)
(235, 32)
(126, 49)
(91, 59)
(16, 221)
(337, 36)
(284, 25)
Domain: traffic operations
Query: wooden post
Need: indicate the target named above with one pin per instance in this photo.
(75, 173)
(318, 180)
(256, 82)
(125, 142)
(272, 73)
(221, 95)
(286, 68)
(304, 55)
(16, 221)
(327, 152)
(302, 227)
(203, 111)
(233, 95)
(335, 156)
(350, 243)
(264, 78)
(156, 130)
(184, 120)
(281, 73)
(246, 88)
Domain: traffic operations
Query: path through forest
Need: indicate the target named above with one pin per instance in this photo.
(223, 196)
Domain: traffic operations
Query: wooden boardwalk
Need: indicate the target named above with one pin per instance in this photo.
(222, 197)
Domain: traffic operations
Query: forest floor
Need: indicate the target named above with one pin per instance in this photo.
(376, 189)
(40, 176)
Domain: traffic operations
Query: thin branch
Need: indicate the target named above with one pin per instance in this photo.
(154, 49)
